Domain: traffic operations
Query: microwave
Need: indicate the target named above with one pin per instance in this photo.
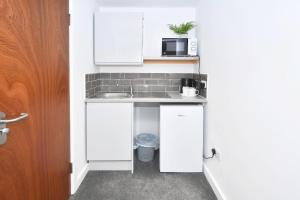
(179, 47)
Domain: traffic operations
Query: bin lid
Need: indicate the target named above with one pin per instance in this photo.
(147, 140)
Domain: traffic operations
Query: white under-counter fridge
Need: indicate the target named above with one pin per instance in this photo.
(181, 138)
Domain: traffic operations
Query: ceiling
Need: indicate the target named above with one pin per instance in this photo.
(148, 3)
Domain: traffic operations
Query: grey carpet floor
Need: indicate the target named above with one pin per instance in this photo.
(147, 183)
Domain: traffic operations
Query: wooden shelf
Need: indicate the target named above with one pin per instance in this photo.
(171, 60)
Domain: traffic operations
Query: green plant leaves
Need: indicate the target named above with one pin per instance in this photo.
(183, 28)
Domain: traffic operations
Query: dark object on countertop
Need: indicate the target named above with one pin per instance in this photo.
(187, 82)
(202, 85)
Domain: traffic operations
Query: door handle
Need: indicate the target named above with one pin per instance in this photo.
(3, 130)
(6, 121)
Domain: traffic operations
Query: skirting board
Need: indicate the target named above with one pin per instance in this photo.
(110, 165)
(76, 181)
(212, 181)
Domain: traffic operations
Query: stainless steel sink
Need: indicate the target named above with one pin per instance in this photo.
(118, 95)
(114, 95)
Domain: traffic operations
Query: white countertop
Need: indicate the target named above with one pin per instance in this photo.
(175, 97)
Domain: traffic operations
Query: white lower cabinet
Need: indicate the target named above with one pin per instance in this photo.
(110, 136)
(181, 138)
(109, 131)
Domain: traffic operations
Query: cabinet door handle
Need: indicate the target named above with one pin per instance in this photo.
(180, 115)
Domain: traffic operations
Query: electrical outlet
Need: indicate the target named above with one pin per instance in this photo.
(218, 153)
(204, 83)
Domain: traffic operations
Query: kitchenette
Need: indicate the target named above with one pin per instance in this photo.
(135, 111)
(125, 105)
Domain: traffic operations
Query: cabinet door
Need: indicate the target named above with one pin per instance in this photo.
(118, 38)
(109, 131)
(181, 142)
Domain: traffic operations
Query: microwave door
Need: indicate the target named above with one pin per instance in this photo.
(169, 48)
(182, 47)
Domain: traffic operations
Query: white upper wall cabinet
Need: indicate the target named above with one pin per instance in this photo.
(155, 24)
(118, 38)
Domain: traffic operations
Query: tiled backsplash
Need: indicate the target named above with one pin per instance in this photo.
(141, 82)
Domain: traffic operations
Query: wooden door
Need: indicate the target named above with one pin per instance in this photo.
(34, 78)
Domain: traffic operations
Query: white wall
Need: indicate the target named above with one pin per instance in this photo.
(81, 62)
(146, 118)
(156, 22)
(250, 51)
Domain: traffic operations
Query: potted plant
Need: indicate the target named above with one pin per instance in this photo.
(182, 29)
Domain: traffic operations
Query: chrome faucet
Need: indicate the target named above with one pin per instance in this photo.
(131, 90)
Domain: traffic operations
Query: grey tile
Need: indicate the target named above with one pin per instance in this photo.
(187, 76)
(176, 82)
(124, 82)
(137, 82)
(97, 76)
(203, 92)
(116, 89)
(88, 85)
(131, 75)
(158, 88)
(117, 75)
(174, 76)
(105, 88)
(90, 77)
(94, 83)
(151, 82)
(172, 89)
(201, 77)
(135, 88)
(179, 76)
(90, 93)
(108, 82)
(156, 82)
(93, 77)
(142, 88)
(158, 75)
(196, 76)
(144, 75)
(204, 77)
(105, 76)
(164, 82)
(126, 88)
